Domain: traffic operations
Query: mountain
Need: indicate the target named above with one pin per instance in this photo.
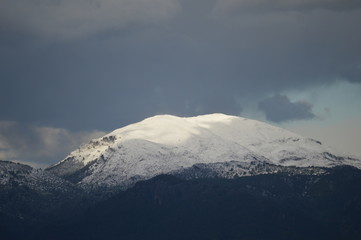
(226, 146)
(271, 206)
(21, 175)
(29, 195)
(207, 177)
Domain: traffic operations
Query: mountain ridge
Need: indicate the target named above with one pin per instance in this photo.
(164, 144)
(270, 206)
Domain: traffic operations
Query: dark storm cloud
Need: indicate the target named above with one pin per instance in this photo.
(84, 65)
(279, 108)
(284, 5)
(64, 20)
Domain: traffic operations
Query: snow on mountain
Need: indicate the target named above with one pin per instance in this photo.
(166, 144)
(21, 175)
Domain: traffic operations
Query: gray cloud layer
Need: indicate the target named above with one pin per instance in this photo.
(181, 59)
(43, 145)
(234, 6)
(64, 19)
(279, 108)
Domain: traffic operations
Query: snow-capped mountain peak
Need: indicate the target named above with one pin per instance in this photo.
(166, 144)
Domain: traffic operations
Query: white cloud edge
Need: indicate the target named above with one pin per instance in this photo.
(43, 146)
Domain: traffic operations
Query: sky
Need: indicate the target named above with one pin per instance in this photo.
(72, 70)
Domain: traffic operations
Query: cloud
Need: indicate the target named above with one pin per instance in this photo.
(69, 19)
(251, 6)
(279, 108)
(192, 64)
(41, 145)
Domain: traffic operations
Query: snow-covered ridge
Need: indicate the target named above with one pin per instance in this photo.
(165, 143)
(20, 175)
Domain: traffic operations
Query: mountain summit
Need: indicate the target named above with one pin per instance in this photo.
(166, 144)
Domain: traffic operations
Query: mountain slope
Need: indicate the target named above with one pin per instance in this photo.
(166, 144)
(275, 206)
(21, 175)
(28, 194)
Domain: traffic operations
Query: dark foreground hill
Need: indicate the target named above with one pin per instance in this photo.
(274, 206)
